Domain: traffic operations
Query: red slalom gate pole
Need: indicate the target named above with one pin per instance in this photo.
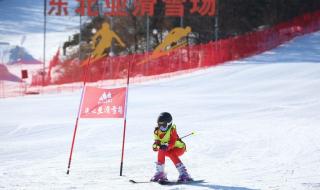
(75, 131)
(77, 120)
(125, 118)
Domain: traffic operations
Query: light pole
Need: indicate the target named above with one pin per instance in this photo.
(44, 40)
(146, 66)
(155, 33)
(216, 22)
(80, 38)
(4, 50)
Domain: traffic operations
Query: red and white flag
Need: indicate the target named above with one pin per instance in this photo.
(103, 103)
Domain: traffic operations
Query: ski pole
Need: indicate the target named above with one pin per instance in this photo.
(192, 133)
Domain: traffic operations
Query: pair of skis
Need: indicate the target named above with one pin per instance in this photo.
(168, 182)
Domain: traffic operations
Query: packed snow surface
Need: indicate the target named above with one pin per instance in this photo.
(256, 124)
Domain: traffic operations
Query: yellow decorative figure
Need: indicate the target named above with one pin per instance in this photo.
(170, 42)
(102, 40)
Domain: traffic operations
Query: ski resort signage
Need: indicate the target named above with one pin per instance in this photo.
(103, 103)
(174, 8)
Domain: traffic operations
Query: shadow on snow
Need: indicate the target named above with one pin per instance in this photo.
(218, 187)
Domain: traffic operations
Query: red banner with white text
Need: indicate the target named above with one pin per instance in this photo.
(103, 103)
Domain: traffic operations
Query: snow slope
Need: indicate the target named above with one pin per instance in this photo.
(256, 122)
(11, 55)
(6, 75)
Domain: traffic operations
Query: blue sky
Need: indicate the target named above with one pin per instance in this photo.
(26, 16)
(25, 19)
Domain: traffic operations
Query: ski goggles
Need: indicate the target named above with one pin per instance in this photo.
(164, 126)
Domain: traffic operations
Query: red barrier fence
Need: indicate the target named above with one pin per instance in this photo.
(189, 57)
(196, 56)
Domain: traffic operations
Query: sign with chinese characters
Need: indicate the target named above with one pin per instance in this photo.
(103, 103)
(174, 8)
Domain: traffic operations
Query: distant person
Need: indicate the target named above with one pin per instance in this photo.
(167, 143)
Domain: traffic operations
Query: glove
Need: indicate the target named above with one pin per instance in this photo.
(164, 147)
(156, 145)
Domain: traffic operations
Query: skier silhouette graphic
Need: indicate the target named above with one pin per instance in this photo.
(106, 35)
(102, 40)
(171, 42)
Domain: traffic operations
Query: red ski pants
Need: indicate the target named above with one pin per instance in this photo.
(173, 154)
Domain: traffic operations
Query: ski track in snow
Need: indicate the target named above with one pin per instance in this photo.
(256, 122)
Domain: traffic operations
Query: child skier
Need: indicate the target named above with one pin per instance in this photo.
(168, 143)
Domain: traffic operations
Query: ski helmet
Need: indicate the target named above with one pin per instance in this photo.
(164, 121)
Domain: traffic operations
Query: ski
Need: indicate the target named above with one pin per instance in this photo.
(134, 181)
(181, 183)
(168, 182)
